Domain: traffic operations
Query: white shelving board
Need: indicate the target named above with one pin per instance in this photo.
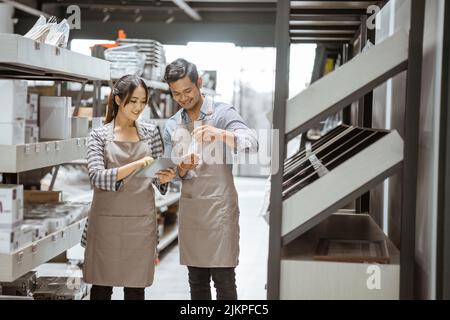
(170, 235)
(354, 177)
(324, 280)
(21, 57)
(18, 158)
(347, 84)
(15, 264)
(167, 200)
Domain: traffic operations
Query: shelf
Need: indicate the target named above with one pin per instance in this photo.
(340, 88)
(323, 280)
(170, 198)
(158, 85)
(153, 84)
(24, 58)
(24, 157)
(170, 235)
(340, 186)
(18, 263)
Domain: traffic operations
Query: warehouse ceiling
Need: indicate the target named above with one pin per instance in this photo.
(243, 22)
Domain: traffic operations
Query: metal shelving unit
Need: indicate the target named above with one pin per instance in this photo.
(22, 58)
(293, 219)
(24, 157)
(17, 263)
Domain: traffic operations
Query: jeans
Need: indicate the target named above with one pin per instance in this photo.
(105, 293)
(224, 281)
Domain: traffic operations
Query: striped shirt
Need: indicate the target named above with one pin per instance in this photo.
(106, 178)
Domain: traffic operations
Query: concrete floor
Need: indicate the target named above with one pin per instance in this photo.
(171, 282)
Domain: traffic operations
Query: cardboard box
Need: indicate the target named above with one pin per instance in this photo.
(55, 118)
(12, 133)
(80, 127)
(32, 107)
(11, 205)
(14, 100)
(35, 196)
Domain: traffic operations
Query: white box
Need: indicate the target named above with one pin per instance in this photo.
(32, 107)
(55, 118)
(80, 127)
(11, 205)
(14, 239)
(14, 99)
(9, 239)
(12, 133)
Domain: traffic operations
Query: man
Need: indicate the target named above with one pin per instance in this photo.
(208, 210)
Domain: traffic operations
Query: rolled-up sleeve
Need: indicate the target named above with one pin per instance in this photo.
(245, 138)
(100, 177)
(157, 148)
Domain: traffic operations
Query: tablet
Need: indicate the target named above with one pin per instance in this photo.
(158, 165)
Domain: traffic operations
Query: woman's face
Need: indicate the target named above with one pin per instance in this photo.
(135, 106)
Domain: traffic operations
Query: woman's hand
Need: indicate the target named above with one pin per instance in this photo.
(166, 176)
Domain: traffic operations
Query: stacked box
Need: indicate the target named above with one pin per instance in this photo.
(11, 205)
(12, 121)
(31, 119)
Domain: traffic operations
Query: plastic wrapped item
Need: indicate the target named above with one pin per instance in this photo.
(50, 32)
(125, 60)
(23, 286)
(39, 31)
(58, 35)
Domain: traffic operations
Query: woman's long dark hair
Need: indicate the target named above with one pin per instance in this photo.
(124, 89)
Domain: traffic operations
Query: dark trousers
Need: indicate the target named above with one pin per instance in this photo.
(224, 281)
(105, 293)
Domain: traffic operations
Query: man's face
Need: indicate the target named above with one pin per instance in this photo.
(185, 92)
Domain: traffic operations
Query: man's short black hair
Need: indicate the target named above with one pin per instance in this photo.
(179, 69)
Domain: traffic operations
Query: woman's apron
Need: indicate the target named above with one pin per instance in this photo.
(208, 209)
(122, 231)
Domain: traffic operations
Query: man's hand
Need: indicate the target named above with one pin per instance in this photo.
(208, 133)
(188, 162)
(166, 176)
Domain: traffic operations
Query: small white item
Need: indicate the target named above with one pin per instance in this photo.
(32, 108)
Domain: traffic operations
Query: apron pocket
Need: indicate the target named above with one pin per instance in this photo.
(125, 233)
(201, 213)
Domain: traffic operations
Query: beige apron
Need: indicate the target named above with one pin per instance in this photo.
(122, 231)
(208, 212)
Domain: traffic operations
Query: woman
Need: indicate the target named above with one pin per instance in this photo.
(122, 231)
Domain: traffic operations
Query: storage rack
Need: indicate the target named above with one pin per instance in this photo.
(297, 217)
(23, 58)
